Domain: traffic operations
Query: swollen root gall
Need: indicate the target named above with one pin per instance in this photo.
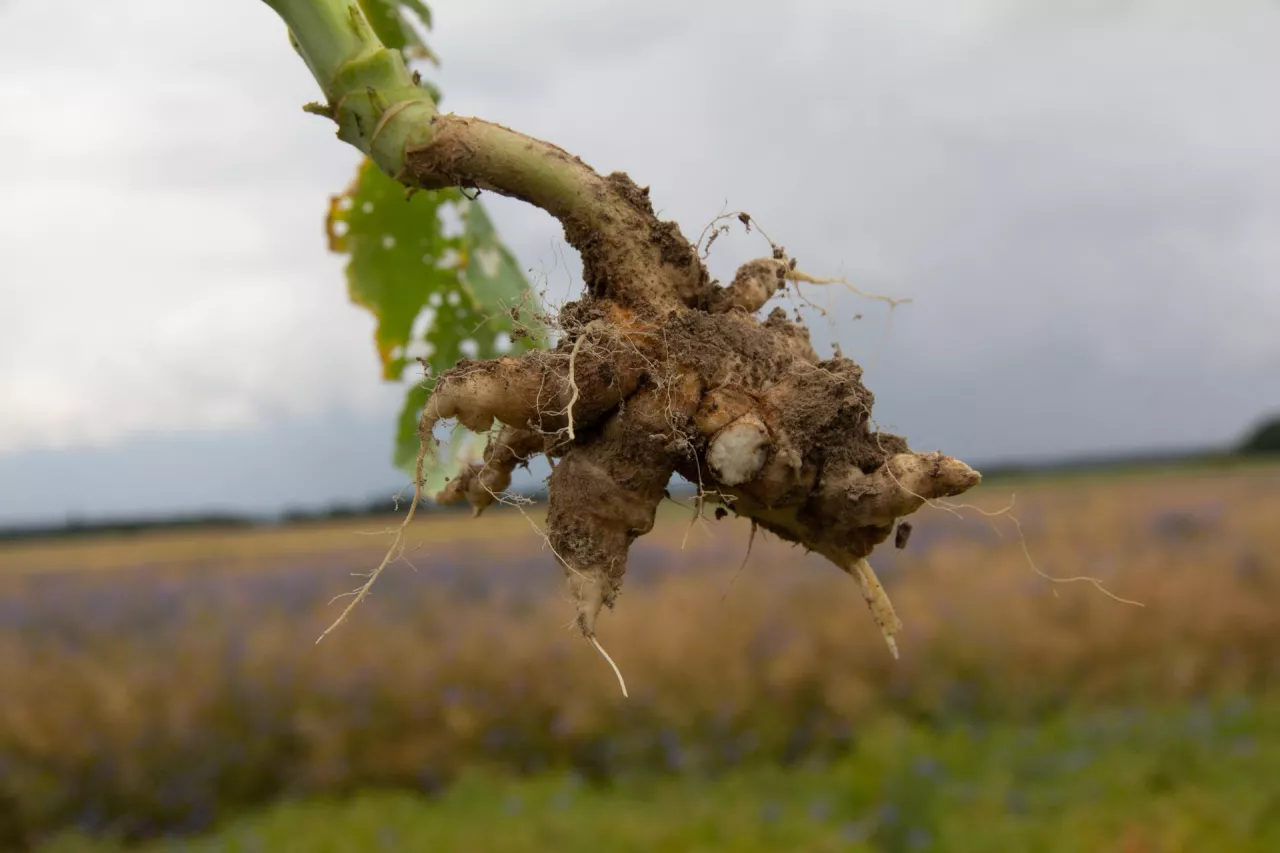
(661, 371)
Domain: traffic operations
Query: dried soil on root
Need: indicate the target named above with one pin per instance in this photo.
(820, 476)
(662, 371)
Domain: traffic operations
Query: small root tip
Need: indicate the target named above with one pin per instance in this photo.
(621, 682)
(955, 477)
(878, 600)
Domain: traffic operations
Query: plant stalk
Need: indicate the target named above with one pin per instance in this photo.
(382, 110)
(372, 95)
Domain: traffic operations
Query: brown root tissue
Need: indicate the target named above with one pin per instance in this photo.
(680, 376)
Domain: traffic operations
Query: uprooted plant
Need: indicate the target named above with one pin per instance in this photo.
(658, 370)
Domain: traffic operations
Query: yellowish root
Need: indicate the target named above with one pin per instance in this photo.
(878, 600)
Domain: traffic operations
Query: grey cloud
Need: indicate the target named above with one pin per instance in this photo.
(1082, 198)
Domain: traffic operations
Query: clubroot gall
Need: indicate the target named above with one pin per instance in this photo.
(658, 371)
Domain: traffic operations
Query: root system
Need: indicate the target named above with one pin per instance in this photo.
(661, 371)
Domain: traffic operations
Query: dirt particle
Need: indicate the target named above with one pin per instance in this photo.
(621, 183)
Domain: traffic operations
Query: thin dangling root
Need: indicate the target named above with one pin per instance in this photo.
(605, 655)
(804, 277)
(393, 552)
(750, 541)
(878, 600)
(425, 427)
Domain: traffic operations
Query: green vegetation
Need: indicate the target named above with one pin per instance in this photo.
(1197, 779)
(1265, 438)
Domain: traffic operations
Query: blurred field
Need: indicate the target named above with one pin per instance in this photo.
(1112, 782)
(156, 684)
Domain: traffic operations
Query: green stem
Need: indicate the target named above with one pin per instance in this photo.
(372, 95)
(380, 108)
(327, 34)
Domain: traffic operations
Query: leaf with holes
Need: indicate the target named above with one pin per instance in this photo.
(492, 275)
(436, 297)
(398, 255)
(454, 328)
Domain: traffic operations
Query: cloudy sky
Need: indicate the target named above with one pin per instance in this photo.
(1083, 199)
